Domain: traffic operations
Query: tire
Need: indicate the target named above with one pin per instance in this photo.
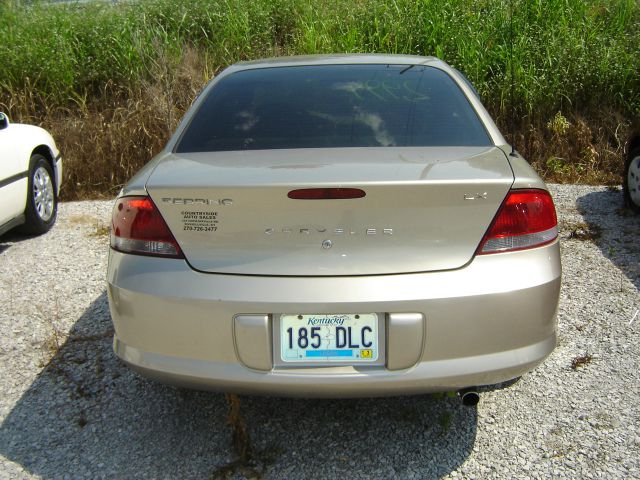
(42, 203)
(631, 181)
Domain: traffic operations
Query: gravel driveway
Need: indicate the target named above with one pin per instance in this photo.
(69, 409)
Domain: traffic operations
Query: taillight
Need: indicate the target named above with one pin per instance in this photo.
(137, 227)
(526, 219)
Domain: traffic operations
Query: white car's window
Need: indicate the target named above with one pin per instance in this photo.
(334, 106)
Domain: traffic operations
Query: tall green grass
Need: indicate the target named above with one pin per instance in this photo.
(111, 81)
(566, 53)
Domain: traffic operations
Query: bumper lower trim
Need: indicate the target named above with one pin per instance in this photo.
(425, 377)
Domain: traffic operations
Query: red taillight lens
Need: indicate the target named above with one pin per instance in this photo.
(526, 219)
(137, 227)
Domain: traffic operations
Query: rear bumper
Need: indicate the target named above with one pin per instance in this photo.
(489, 322)
(435, 376)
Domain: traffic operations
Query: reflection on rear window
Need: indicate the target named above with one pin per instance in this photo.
(333, 106)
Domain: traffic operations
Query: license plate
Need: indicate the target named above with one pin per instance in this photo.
(348, 338)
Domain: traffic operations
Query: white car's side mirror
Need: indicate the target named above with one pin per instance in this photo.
(4, 121)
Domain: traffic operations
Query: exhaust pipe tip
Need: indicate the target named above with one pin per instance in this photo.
(469, 396)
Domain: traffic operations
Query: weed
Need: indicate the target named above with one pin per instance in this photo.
(445, 421)
(587, 148)
(559, 125)
(56, 337)
(240, 436)
(246, 462)
(582, 231)
(125, 73)
(81, 219)
(557, 166)
(589, 233)
(101, 231)
(581, 361)
(443, 395)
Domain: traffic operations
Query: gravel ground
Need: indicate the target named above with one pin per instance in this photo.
(69, 409)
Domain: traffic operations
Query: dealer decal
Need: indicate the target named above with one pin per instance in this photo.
(199, 221)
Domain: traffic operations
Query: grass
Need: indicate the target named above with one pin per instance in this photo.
(112, 81)
(99, 229)
(580, 230)
(56, 338)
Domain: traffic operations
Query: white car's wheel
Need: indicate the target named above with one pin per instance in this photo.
(42, 204)
(632, 180)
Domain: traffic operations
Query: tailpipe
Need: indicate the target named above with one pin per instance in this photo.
(469, 396)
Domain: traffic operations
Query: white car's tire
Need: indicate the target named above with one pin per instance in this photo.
(42, 203)
(631, 182)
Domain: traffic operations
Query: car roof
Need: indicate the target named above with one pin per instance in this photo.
(338, 59)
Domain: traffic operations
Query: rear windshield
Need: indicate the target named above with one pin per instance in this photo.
(333, 106)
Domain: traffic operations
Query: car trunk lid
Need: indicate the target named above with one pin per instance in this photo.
(423, 209)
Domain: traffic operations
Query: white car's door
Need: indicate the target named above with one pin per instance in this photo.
(13, 175)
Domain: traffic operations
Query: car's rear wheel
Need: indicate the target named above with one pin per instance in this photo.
(42, 204)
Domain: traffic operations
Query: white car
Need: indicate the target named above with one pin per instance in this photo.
(30, 176)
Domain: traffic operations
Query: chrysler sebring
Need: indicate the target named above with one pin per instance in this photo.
(335, 226)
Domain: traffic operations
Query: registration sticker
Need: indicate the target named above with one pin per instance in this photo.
(326, 338)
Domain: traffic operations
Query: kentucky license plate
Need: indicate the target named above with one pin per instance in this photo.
(348, 338)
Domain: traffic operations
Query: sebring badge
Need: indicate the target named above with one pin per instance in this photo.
(327, 244)
(198, 201)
